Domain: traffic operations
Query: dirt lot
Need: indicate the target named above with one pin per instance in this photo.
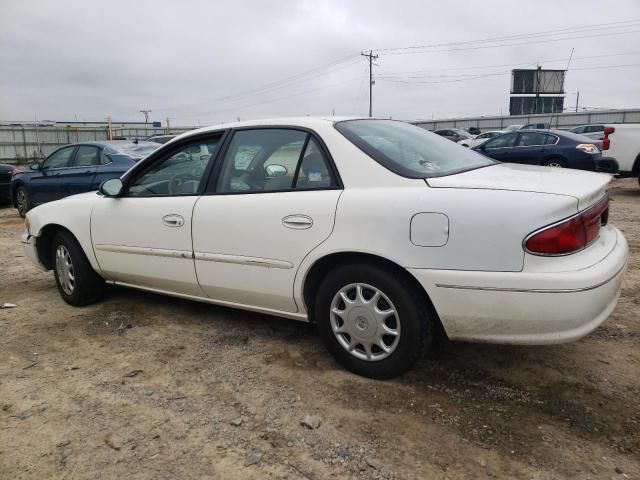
(142, 386)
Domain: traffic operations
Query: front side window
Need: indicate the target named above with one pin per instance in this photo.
(408, 150)
(181, 173)
(59, 159)
(503, 141)
(267, 160)
(594, 128)
(87, 156)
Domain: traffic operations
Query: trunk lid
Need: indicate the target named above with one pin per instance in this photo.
(586, 187)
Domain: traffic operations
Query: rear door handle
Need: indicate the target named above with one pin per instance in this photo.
(297, 222)
(173, 220)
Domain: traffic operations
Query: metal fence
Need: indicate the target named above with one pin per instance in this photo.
(21, 144)
(562, 120)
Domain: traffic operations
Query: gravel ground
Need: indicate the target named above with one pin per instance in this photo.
(143, 386)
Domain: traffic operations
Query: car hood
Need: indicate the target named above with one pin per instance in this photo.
(586, 187)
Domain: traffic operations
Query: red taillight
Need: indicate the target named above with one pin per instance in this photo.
(606, 141)
(571, 235)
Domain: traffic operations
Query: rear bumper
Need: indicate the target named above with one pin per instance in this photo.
(527, 307)
(30, 250)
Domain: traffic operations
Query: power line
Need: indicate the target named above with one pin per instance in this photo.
(530, 42)
(479, 67)
(597, 26)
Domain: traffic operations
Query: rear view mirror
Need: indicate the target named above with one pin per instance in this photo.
(112, 187)
(35, 166)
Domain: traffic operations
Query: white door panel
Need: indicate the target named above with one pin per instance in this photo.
(248, 247)
(146, 241)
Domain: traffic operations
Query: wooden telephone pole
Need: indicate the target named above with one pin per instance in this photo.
(371, 58)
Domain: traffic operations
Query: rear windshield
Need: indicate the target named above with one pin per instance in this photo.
(408, 150)
(134, 150)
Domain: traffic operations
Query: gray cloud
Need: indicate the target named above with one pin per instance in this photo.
(94, 59)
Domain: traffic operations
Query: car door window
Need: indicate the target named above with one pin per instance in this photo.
(594, 128)
(577, 130)
(59, 159)
(180, 173)
(267, 160)
(87, 156)
(550, 139)
(502, 141)
(314, 171)
(530, 139)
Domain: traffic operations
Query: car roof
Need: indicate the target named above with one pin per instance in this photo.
(308, 122)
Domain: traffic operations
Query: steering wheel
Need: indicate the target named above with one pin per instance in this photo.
(178, 181)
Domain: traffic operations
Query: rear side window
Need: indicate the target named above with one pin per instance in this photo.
(594, 128)
(530, 139)
(269, 160)
(408, 150)
(87, 156)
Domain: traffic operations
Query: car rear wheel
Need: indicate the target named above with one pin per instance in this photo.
(77, 282)
(555, 163)
(374, 322)
(23, 204)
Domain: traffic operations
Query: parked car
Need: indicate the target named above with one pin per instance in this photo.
(455, 134)
(379, 231)
(551, 148)
(591, 131)
(480, 139)
(536, 126)
(6, 173)
(473, 130)
(75, 168)
(160, 138)
(622, 142)
(513, 128)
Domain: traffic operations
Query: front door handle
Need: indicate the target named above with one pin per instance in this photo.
(297, 222)
(173, 220)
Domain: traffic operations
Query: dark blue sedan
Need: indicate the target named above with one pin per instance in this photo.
(72, 169)
(551, 148)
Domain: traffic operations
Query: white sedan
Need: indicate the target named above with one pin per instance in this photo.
(480, 139)
(380, 232)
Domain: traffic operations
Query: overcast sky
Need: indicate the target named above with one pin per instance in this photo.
(203, 62)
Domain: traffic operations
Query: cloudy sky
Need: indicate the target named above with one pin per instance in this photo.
(203, 62)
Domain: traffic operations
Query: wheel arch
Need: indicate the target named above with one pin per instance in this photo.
(636, 165)
(45, 239)
(318, 270)
(14, 191)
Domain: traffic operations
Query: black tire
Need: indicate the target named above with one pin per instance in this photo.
(555, 162)
(23, 202)
(413, 314)
(87, 285)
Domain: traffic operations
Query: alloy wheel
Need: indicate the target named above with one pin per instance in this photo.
(365, 322)
(21, 201)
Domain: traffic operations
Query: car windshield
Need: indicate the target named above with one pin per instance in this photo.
(408, 150)
(134, 150)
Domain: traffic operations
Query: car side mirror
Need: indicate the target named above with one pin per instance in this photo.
(36, 166)
(112, 187)
(275, 170)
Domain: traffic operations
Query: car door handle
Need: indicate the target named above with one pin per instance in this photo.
(297, 222)
(173, 220)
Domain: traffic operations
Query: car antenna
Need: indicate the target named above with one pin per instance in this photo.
(562, 90)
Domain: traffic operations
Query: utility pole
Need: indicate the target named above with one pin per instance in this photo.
(146, 115)
(535, 107)
(168, 127)
(109, 129)
(371, 58)
(577, 100)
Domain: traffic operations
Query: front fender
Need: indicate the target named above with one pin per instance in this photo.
(71, 213)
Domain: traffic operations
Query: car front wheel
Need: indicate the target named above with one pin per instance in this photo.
(375, 322)
(23, 204)
(77, 282)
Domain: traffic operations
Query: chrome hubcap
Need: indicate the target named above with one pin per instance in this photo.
(64, 269)
(365, 322)
(554, 165)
